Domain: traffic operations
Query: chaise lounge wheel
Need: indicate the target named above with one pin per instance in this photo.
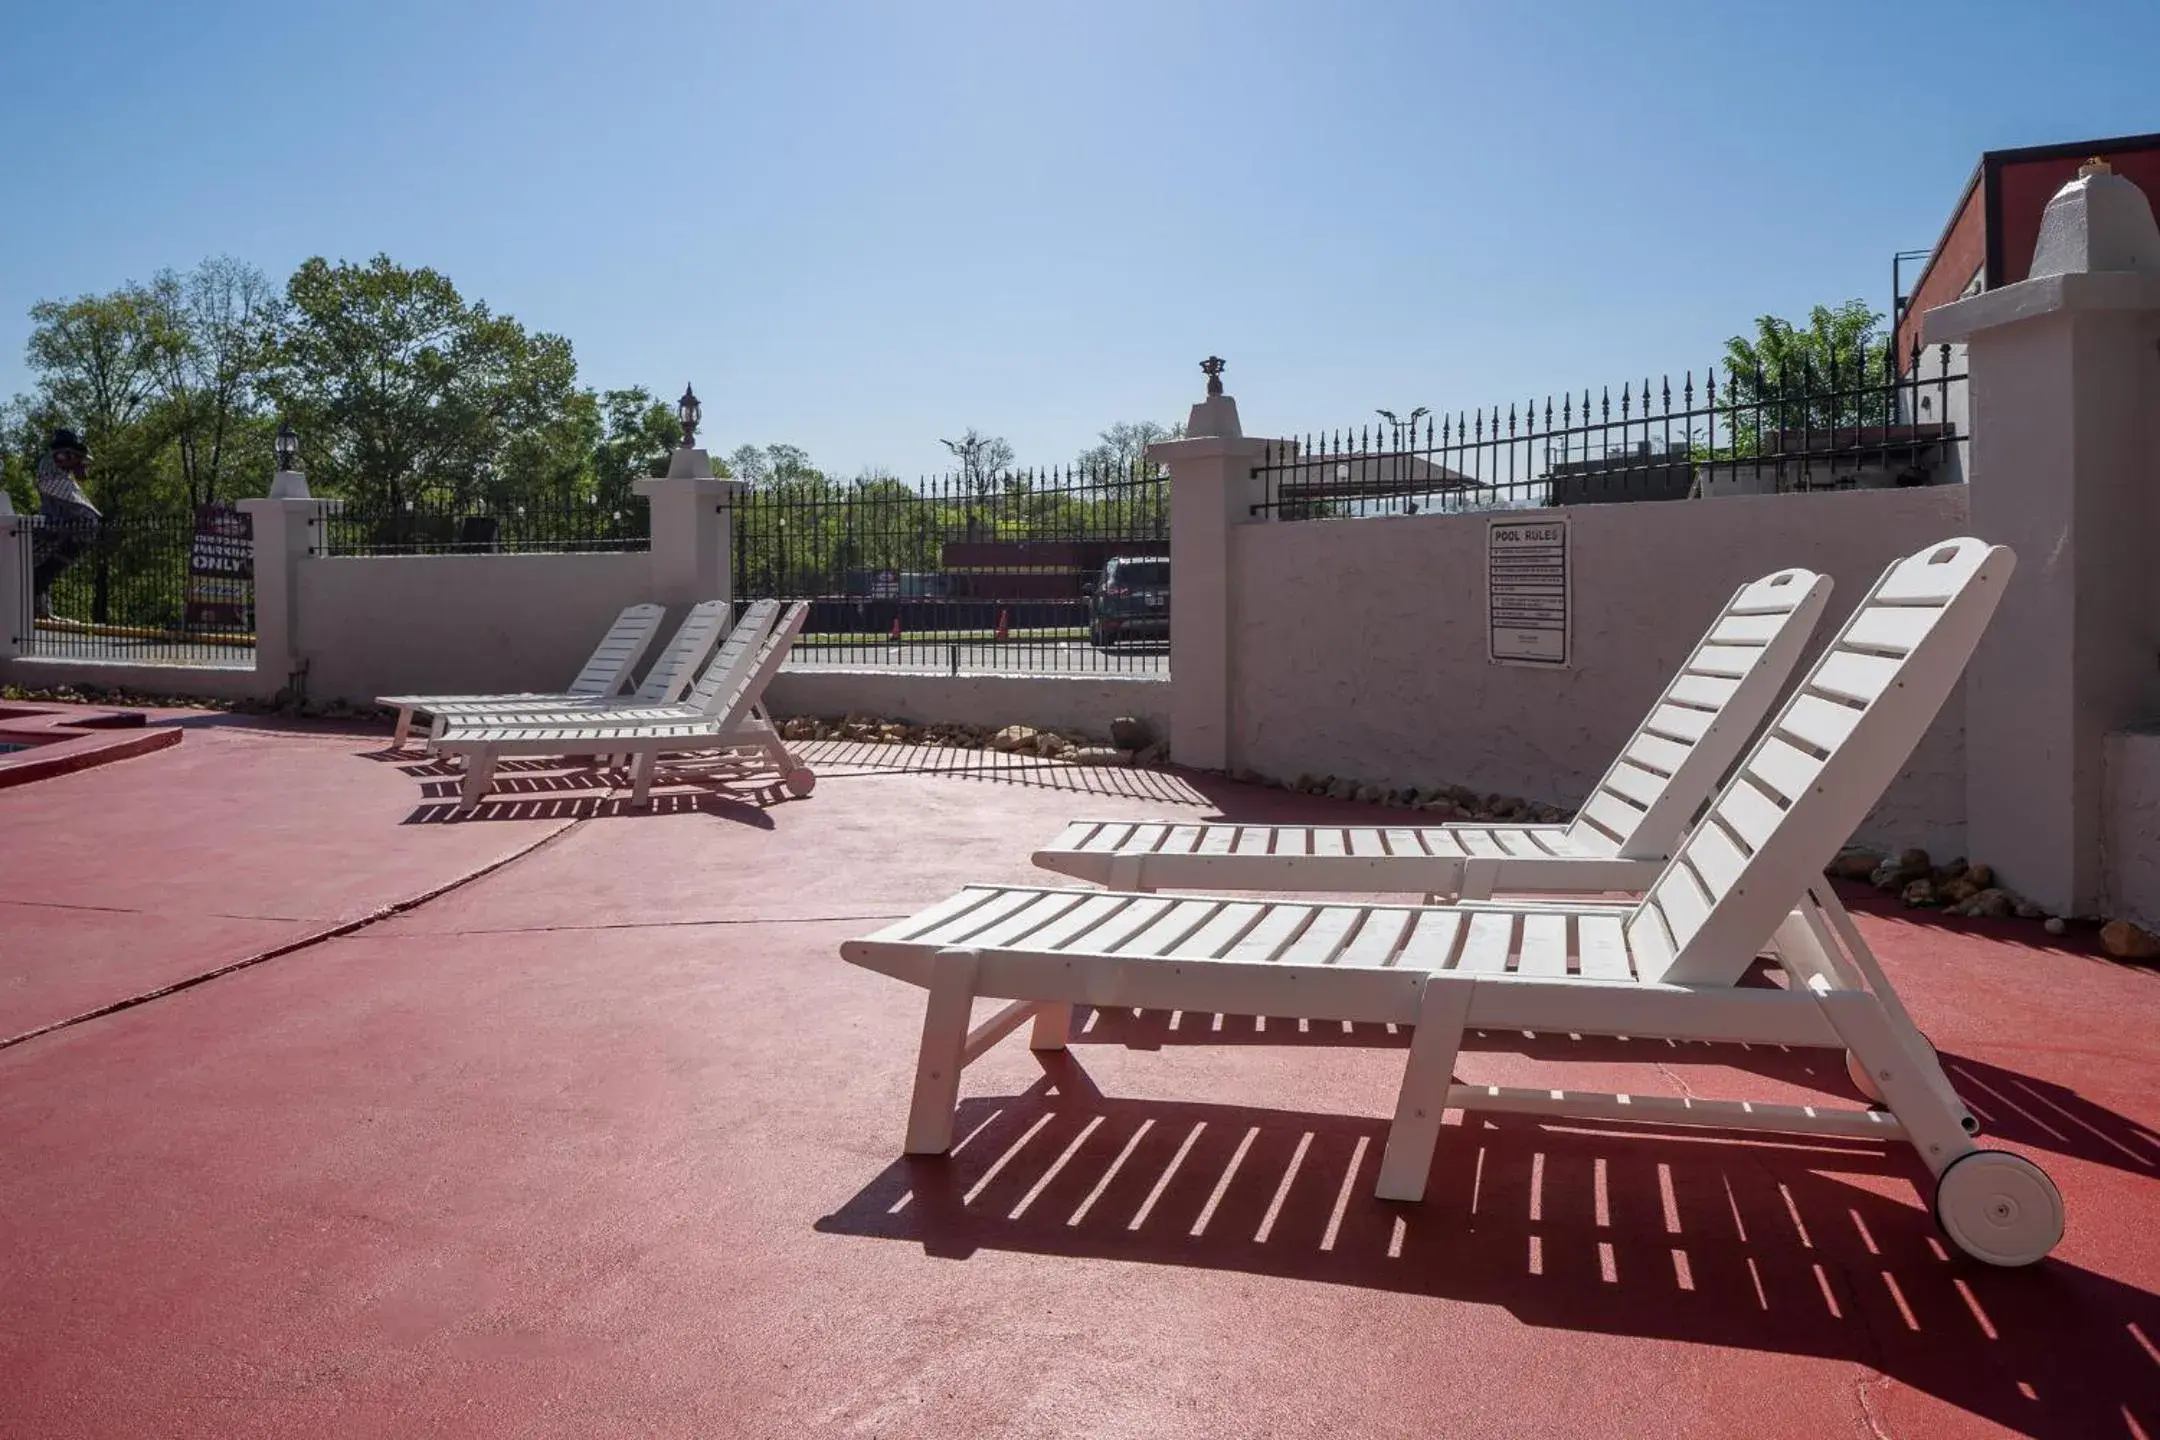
(800, 781)
(1999, 1207)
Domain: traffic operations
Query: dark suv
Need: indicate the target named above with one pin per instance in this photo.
(1131, 601)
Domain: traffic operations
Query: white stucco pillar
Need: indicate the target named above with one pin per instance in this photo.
(1211, 490)
(283, 531)
(2064, 458)
(15, 616)
(693, 515)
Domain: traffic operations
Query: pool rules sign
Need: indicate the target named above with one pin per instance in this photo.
(1526, 593)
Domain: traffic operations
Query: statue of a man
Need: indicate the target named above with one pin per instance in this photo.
(68, 520)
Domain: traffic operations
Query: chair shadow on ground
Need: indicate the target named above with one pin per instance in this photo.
(866, 757)
(2019, 1109)
(1806, 1247)
(546, 790)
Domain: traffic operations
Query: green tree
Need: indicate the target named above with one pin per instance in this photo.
(638, 431)
(1122, 448)
(983, 458)
(401, 388)
(221, 323)
(98, 359)
(1825, 374)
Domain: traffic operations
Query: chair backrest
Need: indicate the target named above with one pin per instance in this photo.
(736, 655)
(749, 690)
(1691, 736)
(672, 673)
(1819, 767)
(620, 649)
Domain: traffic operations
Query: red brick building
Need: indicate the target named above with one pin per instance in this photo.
(1995, 225)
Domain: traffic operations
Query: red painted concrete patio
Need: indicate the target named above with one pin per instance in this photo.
(567, 1120)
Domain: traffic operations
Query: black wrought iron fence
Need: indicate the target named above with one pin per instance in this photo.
(437, 526)
(1033, 570)
(1863, 424)
(173, 587)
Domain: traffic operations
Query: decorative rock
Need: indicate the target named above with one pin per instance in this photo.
(1097, 755)
(1918, 893)
(2054, 925)
(1342, 789)
(1982, 876)
(2026, 910)
(1153, 754)
(1012, 737)
(1957, 892)
(1990, 904)
(799, 728)
(1854, 865)
(1369, 794)
(1897, 874)
(1128, 733)
(2126, 941)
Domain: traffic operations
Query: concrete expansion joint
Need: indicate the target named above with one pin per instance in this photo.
(305, 942)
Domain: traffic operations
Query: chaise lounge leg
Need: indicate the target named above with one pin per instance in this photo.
(944, 1047)
(1894, 1059)
(404, 727)
(1478, 879)
(479, 773)
(1442, 1009)
(1052, 1024)
(641, 773)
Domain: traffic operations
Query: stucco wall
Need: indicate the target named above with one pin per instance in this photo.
(435, 624)
(1359, 645)
(2130, 825)
(1082, 704)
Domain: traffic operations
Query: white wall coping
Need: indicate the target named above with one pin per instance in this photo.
(2096, 290)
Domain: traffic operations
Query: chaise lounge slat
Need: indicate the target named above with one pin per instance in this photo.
(1744, 882)
(1620, 837)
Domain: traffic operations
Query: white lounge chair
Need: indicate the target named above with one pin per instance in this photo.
(661, 697)
(1619, 840)
(606, 673)
(1664, 967)
(705, 700)
(734, 735)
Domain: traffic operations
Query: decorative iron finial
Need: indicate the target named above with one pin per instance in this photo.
(2095, 166)
(687, 411)
(1212, 367)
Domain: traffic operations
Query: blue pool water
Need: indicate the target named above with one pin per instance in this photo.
(4, 747)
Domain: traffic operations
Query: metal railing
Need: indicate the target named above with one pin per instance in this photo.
(965, 573)
(168, 587)
(447, 527)
(1862, 425)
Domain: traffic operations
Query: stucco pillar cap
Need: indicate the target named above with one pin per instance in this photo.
(289, 485)
(2100, 221)
(7, 506)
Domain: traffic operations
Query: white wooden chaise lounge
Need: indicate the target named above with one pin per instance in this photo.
(1618, 841)
(730, 735)
(605, 674)
(1664, 967)
(661, 697)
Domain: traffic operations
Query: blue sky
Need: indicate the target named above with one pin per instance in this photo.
(860, 226)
